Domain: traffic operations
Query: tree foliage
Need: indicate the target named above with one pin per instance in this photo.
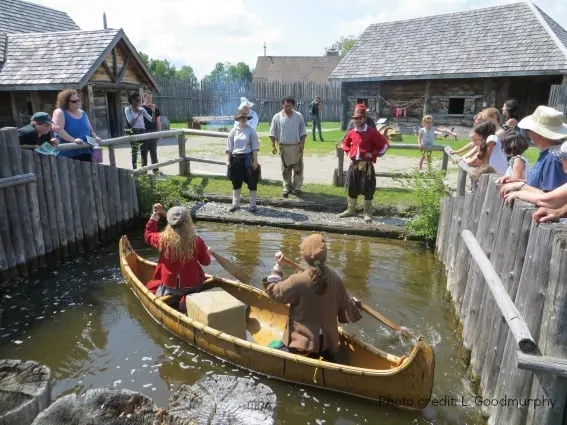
(162, 68)
(229, 73)
(344, 44)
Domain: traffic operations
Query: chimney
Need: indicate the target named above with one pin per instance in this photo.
(332, 52)
(104, 20)
(265, 48)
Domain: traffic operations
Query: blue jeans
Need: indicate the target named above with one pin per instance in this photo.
(316, 122)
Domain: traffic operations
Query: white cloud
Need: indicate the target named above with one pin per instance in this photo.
(199, 34)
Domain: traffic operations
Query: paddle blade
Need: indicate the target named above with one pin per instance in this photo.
(230, 267)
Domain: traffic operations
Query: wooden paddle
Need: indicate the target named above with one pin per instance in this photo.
(230, 267)
(375, 314)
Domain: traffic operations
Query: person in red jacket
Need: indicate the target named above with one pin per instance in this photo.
(363, 144)
(181, 254)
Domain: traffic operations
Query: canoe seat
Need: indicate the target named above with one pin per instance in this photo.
(219, 310)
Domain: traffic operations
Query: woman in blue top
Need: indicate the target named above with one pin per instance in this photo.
(72, 125)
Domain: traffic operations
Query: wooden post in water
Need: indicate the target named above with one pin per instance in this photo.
(115, 178)
(110, 196)
(11, 195)
(513, 383)
(58, 205)
(111, 156)
(105, 232)
(184, 166)
(50, 212)
(553, 340)
(98, 195)
(33, 196)
(88, 218)
(454, 230)
(457, 261)
(67, 212)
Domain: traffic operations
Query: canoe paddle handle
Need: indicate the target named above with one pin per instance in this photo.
(371, 312)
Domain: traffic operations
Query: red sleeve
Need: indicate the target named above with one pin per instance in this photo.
(380, 144)
(151, 234)
(202, 255)
(347, 141)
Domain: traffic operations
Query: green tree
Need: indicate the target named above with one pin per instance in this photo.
(163, 69)
(227, 72)
(344, 44)
(185, 73)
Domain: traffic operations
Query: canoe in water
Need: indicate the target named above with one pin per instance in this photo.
(361, 369)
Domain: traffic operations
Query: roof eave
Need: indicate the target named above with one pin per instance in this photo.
(448, 76)
(39, 87)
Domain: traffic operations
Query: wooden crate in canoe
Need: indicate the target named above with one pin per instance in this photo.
(363, 370)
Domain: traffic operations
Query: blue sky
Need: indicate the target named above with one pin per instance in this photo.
(202, 33)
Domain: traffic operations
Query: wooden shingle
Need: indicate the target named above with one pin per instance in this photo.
(511, 40)
(17, 16)
(295, 68)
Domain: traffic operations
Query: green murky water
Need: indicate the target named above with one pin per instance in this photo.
(84, 323)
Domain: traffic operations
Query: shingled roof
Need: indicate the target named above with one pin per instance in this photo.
(17, 16)
(57, 60)
(295, 68)
(512, 40)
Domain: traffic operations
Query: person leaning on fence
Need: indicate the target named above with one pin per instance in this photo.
(37, 132)
(71, 125)
(363, 144)
(151, 125)
(135, 116)
(545, 129)
(288, 130)
(510, 113)
(242, 160)
(514, 144)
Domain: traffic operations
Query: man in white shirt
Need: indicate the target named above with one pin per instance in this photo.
(288, 130)
(246, 107)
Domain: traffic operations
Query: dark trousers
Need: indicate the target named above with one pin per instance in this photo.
(241, 172)
(361, 180)
(316, 122)
(151, 147)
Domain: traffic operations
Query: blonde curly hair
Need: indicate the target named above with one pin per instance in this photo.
(178, 243)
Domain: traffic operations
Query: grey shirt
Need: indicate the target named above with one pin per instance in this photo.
(288, 130)
(136, 119)
(242, 140)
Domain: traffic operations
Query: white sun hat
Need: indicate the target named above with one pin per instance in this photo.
(546, 122)
(245, 102)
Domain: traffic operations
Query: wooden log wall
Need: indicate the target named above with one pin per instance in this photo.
(531, 261)
(54, 207)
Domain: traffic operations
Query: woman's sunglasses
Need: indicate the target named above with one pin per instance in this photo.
(74, 100)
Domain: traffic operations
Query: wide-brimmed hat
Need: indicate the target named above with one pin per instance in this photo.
(314, 248)
(545, 121)
(360, 107)
(358, 114)
(245, 102)
(177, 216)
(241, 114)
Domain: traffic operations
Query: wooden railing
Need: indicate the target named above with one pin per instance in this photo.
(507, 277)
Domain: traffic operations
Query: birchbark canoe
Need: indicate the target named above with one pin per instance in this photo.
(362, 370)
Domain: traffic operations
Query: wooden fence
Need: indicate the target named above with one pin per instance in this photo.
(558, 98)
(179, 100)
(509, 292)
(53, 207)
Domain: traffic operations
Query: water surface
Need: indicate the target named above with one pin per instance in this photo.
(86, 325)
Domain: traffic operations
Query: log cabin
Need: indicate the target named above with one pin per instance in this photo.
(37, 60)
(453, 65)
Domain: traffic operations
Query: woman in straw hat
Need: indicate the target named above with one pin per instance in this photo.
(363, 144)
(242, 147)
(246, 106)
(316, 298)
(545, 128)
(181, 253)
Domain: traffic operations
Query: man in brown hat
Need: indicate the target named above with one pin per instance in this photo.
(317, 297)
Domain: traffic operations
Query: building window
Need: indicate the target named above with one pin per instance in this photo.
(456, 106)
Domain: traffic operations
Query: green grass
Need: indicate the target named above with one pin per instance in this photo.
(204, 185)
(332, 137)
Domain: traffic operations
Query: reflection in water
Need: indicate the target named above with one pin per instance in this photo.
(86, 324)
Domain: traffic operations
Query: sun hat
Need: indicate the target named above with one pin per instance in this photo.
(314, 248)
(245, 102)
(41, 118)
(241, 114)
(560, 151)
(545, 121)
(177, 215)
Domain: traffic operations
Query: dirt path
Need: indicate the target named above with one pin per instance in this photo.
(318, 168)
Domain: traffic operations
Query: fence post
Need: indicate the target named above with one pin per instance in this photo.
(445, 161)
(112, 156)
(183, 165)
(461, 181)
(340, 172)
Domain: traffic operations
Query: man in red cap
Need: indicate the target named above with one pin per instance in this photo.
(361, 107)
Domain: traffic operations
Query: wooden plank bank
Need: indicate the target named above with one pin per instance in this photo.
(53, 207)
(507, 277)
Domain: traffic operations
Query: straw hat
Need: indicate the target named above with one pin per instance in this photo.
(545, 121)
(314, 248)
(241, 114)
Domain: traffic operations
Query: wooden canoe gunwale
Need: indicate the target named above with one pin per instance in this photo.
(151, 302)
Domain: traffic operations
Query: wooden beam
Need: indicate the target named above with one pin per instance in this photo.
(114, 64)
(553, 365)
(12, 181)
(120, 76)
(109, 71)
(15, 113)
(518, 327)
(426, 97)
(91, 114)
(114, 86)
(35, 101)
(39, 87)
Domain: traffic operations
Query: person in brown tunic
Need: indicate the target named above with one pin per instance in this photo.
(316, 297)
